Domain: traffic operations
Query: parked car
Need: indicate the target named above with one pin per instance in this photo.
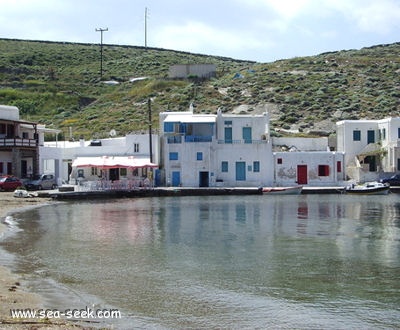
(394, 180)
(44, 181)
(10, 183)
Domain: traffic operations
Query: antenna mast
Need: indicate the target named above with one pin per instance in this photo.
(101, 50)
(145, 27)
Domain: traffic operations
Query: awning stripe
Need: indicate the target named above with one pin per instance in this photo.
(113, 162)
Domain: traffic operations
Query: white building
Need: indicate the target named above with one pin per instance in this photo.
(195, 70)
(371, 147)
(307, 161)
(58, 157)
(20, 143)
(215, 150)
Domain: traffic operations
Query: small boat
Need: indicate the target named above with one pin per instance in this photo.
(21, 193)
(368, 188)
(296, 190)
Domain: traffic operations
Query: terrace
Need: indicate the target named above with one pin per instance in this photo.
(18, 134)
(17, 142)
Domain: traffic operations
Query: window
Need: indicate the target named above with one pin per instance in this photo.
(25, 135)
(136, 147)
(371, 136)
(199, 156)
(94, 170)
(123, 172)
(246, 134)
(339, 166)
(323, 170)
(256, 166)
(228, 122)
(224, 166)
(173, 156)
(356, 135)
(168, 127)
(398, 133)
(1, 168)
(228, 134)
(279, 161)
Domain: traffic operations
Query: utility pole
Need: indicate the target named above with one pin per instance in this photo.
(101, 50)
(150, 131)
(145, 27)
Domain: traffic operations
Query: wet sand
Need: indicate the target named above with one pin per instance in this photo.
(13, 295)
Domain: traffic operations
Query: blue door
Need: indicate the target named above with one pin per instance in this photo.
(157, 177)
(240, 171)
(228, 134)
(247, 134)
(371, 137)
(176, 179)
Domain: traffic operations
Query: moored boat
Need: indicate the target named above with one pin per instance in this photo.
(369, 188)
(295, 190)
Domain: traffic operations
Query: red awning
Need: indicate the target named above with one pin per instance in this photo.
(112, 162)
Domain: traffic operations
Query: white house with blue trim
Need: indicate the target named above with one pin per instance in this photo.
(371, 147)
(215, 150)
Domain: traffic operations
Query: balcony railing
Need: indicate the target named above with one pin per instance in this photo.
(194, 138)
(242, 141)
(174, 139)
(188, 138)
(18, 142)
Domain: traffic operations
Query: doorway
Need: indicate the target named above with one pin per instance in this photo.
(24, 169)
(203, 179)
(176, 179)
(302, 174)
(114, 174)
(240, 171)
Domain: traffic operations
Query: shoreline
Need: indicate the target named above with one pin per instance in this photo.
(13, 293)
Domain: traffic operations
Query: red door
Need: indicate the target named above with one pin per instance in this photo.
(302, 174)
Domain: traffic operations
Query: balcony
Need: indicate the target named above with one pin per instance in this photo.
(188, 138)
(242, 141)
(18, 142)
(194, 138)
(174, 139)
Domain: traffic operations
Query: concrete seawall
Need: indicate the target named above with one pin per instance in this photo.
(173, 191)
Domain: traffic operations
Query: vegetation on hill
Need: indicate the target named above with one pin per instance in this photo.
(58, 84)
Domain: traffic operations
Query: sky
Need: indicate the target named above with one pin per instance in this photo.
(257, 30)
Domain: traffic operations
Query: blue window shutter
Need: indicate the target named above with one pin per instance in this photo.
(224, 166)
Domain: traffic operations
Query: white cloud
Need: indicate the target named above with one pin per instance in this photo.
(369, 15)
(198, 37)
(247, 29)
(285, 9)
(378, 17)
(289, 9)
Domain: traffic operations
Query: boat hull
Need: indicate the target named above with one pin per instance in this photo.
(369, 191)
(283, 190)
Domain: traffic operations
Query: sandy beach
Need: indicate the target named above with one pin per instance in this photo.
(13, 295)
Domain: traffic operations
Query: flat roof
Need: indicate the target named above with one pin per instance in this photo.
(190, 118)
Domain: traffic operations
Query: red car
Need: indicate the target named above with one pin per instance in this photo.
(10, 183)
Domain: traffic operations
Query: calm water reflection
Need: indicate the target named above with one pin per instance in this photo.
(327, 261)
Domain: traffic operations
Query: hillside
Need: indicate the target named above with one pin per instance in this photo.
(58, 84)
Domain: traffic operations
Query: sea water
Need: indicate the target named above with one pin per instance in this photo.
(307, 261)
